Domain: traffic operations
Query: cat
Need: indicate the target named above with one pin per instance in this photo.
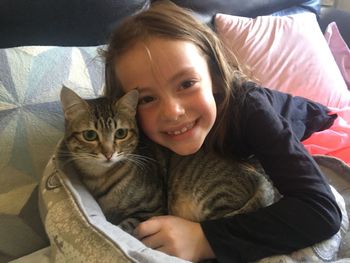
(204, 186)
(101, 142)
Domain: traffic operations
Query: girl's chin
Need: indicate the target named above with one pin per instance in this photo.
(185, 149)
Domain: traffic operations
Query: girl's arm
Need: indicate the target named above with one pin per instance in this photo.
(272, 125)
(175, 236)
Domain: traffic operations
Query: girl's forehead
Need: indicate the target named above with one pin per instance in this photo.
(158, 57)
(161, 48)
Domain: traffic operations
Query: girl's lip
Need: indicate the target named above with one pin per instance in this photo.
(181, 129)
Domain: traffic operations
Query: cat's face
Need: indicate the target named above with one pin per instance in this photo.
(98, 132)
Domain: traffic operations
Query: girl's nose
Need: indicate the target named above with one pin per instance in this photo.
(172, 109)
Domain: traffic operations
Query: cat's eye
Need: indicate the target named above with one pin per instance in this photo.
(121, 133)
(90, 135)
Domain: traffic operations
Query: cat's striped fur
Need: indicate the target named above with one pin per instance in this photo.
(205, 186)
(102, 143)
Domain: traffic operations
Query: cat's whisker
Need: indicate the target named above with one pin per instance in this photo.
(140, 161)
(142, 158)
(75, 156)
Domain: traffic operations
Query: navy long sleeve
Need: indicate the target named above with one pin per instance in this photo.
(272, 124)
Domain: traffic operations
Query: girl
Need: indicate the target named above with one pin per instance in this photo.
(193, 96)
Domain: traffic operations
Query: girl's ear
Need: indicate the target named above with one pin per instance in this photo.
(72, 104)
(128, 102)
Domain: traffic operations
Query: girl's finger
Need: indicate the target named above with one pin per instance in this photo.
(153, 241)
(147, 228)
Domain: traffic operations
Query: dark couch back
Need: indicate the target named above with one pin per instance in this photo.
(88, 22)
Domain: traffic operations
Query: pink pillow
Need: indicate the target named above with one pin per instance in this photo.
(286, 53)
(334, 141)
(340, 50)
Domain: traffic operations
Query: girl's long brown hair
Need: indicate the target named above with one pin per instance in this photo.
(166, 20)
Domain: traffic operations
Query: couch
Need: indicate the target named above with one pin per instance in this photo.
(47, 43)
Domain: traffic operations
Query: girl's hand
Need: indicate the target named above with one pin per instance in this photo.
(176, 237)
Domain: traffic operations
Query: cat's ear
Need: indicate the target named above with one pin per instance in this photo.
(128, 102)
(72, 104)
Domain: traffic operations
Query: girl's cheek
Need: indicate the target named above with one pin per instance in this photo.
(143, 120)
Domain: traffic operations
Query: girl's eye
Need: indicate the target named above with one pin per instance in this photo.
(146, 99)
(121, 134)
(90, 135)
(187, 84)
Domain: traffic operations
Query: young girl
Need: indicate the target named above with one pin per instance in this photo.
(191, 96)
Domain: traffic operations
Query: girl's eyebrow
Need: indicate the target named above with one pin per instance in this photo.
(182, 72)
(178, 75)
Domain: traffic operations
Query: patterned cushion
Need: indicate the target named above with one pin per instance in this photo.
(30, 125)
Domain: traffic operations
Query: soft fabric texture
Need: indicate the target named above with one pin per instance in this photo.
(334, 141)
(77, 228)
(340, 50)
(31, 123)
(79, 232)
(287, 53)
(77, 23)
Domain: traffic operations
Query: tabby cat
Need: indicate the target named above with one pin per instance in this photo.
(204, 186)
(101, 142)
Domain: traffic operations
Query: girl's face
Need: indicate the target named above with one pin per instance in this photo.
(176, 107)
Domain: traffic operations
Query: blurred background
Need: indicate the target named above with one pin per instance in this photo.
(341, 4)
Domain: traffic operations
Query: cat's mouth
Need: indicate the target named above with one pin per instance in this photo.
(115, 158)
(182, 129)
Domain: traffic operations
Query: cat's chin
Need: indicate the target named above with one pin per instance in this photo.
(108, 163)
(96, 166)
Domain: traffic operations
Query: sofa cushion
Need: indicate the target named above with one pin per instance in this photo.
(31, 123)
(63, 22)
(340, 50)
(287, 53)
(88, 23)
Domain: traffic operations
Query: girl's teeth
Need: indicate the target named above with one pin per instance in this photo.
(184, 129)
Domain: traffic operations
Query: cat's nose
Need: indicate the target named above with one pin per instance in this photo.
(108, 155)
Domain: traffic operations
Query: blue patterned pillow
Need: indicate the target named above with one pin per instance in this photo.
(31, 123)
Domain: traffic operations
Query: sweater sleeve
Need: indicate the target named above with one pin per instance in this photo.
(272, 125)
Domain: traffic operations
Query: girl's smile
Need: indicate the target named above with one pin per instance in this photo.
(185, 128)
(176, 107)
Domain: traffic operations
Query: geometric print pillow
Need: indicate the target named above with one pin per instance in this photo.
(31, 124)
